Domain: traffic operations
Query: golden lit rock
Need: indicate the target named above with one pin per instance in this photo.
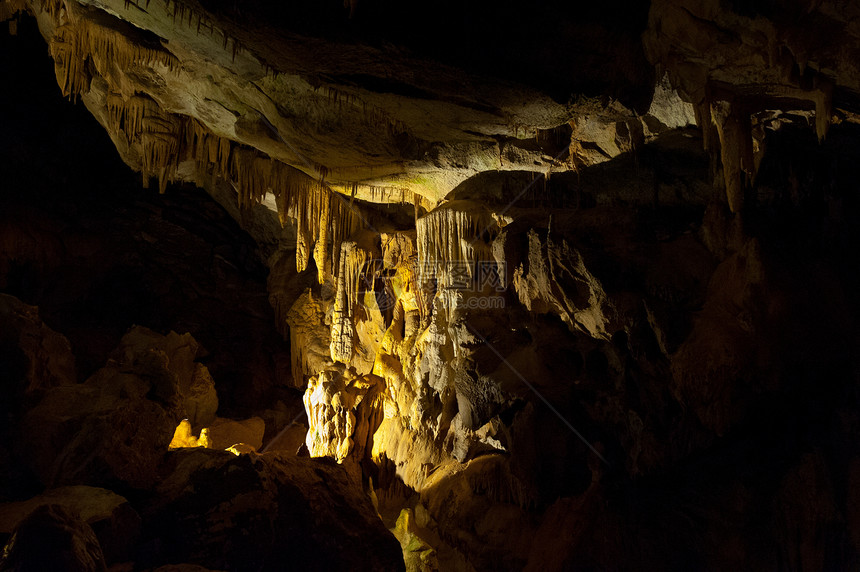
(183, 437)
(343, 412)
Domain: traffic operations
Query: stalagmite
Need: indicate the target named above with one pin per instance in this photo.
(309, 337)
(322, 245)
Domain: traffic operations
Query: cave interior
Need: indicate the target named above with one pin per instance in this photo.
(371, 285)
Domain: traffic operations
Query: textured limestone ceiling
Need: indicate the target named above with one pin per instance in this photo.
(402, 103)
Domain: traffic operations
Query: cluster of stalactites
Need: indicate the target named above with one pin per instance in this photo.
(160, 141)
(76, 44)
(450, 240)
(127, 114)
(139, 119)
(324, 219)
(208, 150)
(53, 8)
(69, 64)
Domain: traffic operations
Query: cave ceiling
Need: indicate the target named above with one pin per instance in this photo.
(392, 103)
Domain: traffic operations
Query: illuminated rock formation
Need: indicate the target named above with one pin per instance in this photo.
(343, 414)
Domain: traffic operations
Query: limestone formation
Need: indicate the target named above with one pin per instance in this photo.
(343, 415)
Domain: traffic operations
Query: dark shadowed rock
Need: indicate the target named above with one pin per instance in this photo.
(264, 512)
(53, 538)
(114, 521)
(115, 427)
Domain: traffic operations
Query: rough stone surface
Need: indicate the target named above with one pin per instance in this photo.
(40, 356)
(114, 521)
(117, 425)
(53, 538)
(305, 512)
(33, 360)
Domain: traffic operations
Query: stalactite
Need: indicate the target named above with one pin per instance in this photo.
(255, 175)
(346, 223)
(323, 219)
(322, 170)
(74, 44)
(127, 114)
(53, 8)
(703, 120)
(450, 240)
(823, 106)
(70, 62)
(208, 150)
(374, 117)
(160, 142)
(111, 46)
(352, 262)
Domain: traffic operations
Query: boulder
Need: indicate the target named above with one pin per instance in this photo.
(114, 521)
(33, 359)
(115, 427)
(225, 433)
(264, 512)
(52, 537)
